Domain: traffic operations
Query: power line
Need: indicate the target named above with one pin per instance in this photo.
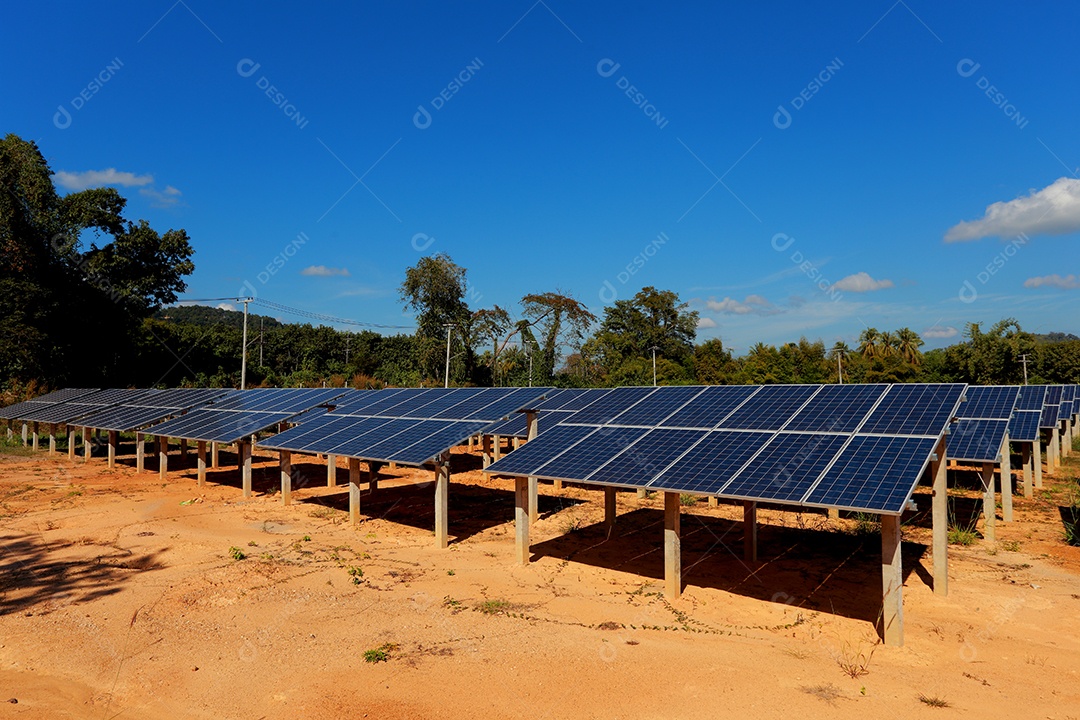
(303, 313)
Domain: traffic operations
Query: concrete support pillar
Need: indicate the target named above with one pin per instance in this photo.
(183, 453)
(354, 490)
(521, 520)
(25, 431)
(52, 439)
(112, 448)
(642, 493)
(517, 443)
(442, 506)
(201, 449)
(610, 508)
(557, 485)
(70, 441)
(243, 449)
(214, 456)
(1063, 434)
(486, 449)
(749, 521)
(286, 477)
(373, 476)
(35, 437)
(1053, 452)
(713, 502)
(1025, 461)
(1037, 463)
(87, 447)
(163, 456)
(331, 471)
(140, 453)
(498, 448)
(532, 429)
(1006, 481)
(940, 521)
(892, 583)
(672, 546)
(989, 502)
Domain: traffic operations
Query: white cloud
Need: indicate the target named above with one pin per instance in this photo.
(753, 304)
(100, 178)
(323, 271)
(226, 306)
(939, 332)
(861, 282)
(1068, 282)
(705, 323)
(169, 197)
(1054, 210)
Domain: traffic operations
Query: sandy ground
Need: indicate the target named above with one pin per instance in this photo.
(120, 597)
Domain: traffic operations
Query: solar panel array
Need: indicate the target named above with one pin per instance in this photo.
(858, 447)
(1024, 426)
(1067, 408)
(550, 412)
(1051, 406)
(979, 433)
(74, 408)
(408, 426)
(152, 407)
(243, 413)
(18, 410)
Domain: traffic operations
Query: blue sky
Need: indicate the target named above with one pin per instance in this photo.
(787, 168)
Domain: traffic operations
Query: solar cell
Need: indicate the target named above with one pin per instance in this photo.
(874, 474)
(786, 467)
(516, 425)
(607, 406)
(447, 402)
(1053, 394)
(712, 462)
(914, 409)
(296, 437)
(976, 440)
(386, 402)
(989, 403)
(590, 454)
(1031, 397)
(837, 408)
(710, 407)
(540, 450)
(407, 434)
(1024, 426)
(12, 412)
(769, 408)
(506, 402)
(429, 448)
(645, 459)
(351, 436)
(583, 398)
(653, 409)
(357, 401)
(1049, 417)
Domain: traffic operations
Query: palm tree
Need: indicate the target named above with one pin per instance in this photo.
(909, 344)
(889, 344)
(870, 343)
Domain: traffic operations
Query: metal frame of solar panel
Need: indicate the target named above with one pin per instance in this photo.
(411, 428)
(793, 444)
(983, 420)
(243, 414)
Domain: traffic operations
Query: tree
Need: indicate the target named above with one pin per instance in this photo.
(48, 277)
(908, 344)
(435, 289)
(559, 320)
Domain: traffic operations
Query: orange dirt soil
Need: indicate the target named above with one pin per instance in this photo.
(120, 597)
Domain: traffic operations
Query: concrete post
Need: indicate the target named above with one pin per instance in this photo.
(498, 448)
(713, 502)
(610, 508)
(24, 434)
(87, 447)
(214, 456)
(1036, 462)
(485, 444)
(749, 514)
(1025, 461)
(442, 507)
(201, 449)
(35, 437)
(52, 439)
(70, 441)
(989, 502)
(183, 453)
(140, 453)
(672, 546)
(163, 456)
(534, 486)
(940, 521)
(1006, 481)
(286, 477)
(892, 582)
(112, 449)
(243, 449)
(354, 491)
(331, 471)
(522, 512)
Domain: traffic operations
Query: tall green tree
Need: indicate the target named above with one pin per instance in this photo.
(435, 289)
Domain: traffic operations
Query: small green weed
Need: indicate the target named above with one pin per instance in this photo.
(687, 500)
(933, 701)
(357, 574)
(380, 654)
(236, 553)
(494, 607)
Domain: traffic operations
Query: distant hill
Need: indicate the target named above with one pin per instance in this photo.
(200, 315)
(1055, 337)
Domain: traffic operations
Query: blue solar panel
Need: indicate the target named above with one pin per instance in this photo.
(406, 435)
(662, 403)
(389, 402)
(609, 405)
(447, 400)
(1032, 397)
(540, 450)
(837, 408)
(711, 406)
(1053, 394)
(989, 403)
(582, 399)
(559, 397)
(1024, 426)
(712, 462)
(357, 401)
(298, 436)
(353, 440)
(875, 474)
(506, 402)
(225, 426)
(590, 454)
(11, 412)
(516, 426)
(976, 440)
(641, 462)
(449, 434)
(1049, 417)
(786, 467)
(769, 408)
(914, 409)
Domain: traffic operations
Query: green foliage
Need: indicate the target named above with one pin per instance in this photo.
(236, 553)
(380, 654)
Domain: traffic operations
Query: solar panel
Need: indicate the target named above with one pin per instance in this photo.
(1032, 397)
(282, 400)
(446, 401)
(517, 424)
(358, 400)
(915, 409)
(439, 436)
(590, 454)
(224, 426)
(989, 403)
(608, 405)
(1024, 426)
(1049, 417)
(506, 402)
(540, 450)
(837, 408)
(769, 408)
(559, 397)
(653, 409)
(297, 437)
(386, 401)
(712, 405)
(786, 467)
(712, 462)
(70, 410)
(352, 440)
(12, 412)
(977, 440)
(1053, 394)
(645, 459)
(873, 474)
(583, 398)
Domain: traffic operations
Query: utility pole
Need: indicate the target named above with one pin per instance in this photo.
(446, 378)
(243, 361)
(654, 349)
(839, 368)
(261, 319)
(530, 354)
(1023, 359)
